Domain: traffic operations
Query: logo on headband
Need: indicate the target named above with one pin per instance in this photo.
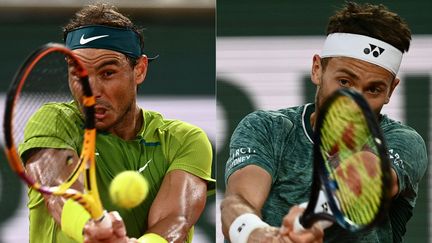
(376, 50)
(84, 41)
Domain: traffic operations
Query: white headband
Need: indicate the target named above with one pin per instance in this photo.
(364, 48)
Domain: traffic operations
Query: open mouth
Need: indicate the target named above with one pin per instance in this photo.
(100, 112)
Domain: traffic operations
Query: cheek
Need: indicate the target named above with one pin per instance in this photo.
(76, 89)
(328, 82)
(327, 88)
(376, 105)
(122, 90)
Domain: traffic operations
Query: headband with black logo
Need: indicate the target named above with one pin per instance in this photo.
(364, 48)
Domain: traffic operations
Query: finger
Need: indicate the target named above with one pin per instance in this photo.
(111, 240)
(264, 234)
(93, 232)
(89, 240)
(283, 239)
(313, 234)
(117, 224)
(288, 220)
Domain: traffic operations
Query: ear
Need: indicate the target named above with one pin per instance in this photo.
(392, 87)
(316, 72)
(140, 69)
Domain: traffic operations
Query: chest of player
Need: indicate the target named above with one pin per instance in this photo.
(114, 155)
(294, 173)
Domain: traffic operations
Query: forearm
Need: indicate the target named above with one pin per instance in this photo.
(55, 205)
(43, 166)
(247, 191)
(172, 228)
(232, 207)
(178, 206)
(238, 213)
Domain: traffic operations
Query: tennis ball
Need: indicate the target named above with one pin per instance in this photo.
(152, 238)
(128, 189)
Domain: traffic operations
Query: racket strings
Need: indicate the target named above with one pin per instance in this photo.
(349, 153)
(46, 83)
(38, 119)
(45, 86)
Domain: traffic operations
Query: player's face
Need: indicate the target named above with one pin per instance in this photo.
(114, 83)
(375, 83)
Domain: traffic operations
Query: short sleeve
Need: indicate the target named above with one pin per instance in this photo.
(257, 141)
(190, 150)
(52, 126)
(408, 156)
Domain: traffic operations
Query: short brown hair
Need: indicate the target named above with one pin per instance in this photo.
(102, 14)
(375, 21)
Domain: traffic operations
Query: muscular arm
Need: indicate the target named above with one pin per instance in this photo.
(177, 206)
(52, 167)
(247, 190)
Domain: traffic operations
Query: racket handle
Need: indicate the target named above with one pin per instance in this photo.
(298, 227)
(321, 207)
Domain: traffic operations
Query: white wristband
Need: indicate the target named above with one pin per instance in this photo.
(243, 225)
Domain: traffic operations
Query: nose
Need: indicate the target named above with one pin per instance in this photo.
(95, 86)
(358, 90)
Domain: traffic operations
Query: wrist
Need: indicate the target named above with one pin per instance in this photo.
(242, 227)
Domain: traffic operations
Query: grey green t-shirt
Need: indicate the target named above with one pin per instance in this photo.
(280, 142)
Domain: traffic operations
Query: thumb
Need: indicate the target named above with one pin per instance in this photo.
(117, 224)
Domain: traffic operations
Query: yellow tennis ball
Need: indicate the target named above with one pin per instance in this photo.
(128, 189)
(152, 238)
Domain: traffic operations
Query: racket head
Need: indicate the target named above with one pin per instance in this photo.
(351, 161)
(46, 78)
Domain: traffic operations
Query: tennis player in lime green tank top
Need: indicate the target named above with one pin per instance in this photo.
(175, 157)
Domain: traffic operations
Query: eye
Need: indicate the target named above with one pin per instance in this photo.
(374, 90)
(344, 83)
(108, 73)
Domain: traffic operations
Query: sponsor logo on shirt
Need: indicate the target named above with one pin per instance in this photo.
(395, 159)
(240, 155)
(144, 167)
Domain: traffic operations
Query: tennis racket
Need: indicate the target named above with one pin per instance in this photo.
(44, 80)
(352, 177)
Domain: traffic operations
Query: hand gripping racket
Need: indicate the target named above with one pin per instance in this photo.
(45, 79)
(352, 177)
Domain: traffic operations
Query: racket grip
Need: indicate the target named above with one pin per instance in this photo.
(298, 227)
(321, 207)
